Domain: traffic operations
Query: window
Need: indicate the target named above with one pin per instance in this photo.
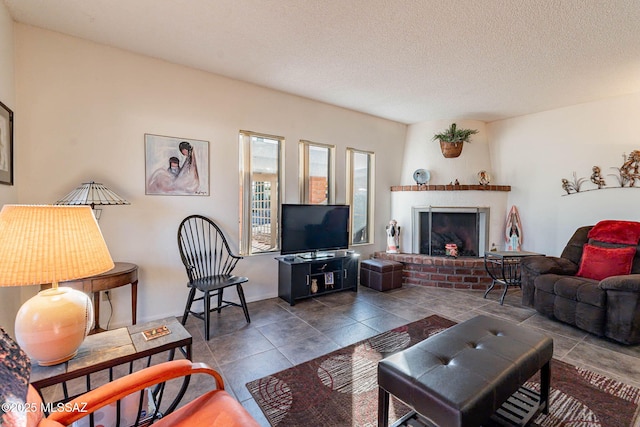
(317, 166)
(260, 170)
(360, 191)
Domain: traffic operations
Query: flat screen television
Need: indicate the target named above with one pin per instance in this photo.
(311, 229)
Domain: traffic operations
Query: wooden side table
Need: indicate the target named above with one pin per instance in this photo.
(123, 273)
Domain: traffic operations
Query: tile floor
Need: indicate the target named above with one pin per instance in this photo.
(280, 336)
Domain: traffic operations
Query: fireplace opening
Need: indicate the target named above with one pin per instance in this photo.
(440, 229)
(466, 228)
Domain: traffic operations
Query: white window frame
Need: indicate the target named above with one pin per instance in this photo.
(246, 185)
(305, 170)
(370, 194)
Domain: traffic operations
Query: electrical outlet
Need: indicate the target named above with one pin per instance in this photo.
(105, 296)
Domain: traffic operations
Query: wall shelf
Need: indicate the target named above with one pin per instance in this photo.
(451, 187)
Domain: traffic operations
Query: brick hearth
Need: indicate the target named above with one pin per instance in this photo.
(441, 272)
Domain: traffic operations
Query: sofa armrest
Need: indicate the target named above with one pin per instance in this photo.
(623, 308)
(534, 266)
(629, 283)
(549, 265)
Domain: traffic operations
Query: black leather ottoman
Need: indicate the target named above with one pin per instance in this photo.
(381, 274)
(463, 375)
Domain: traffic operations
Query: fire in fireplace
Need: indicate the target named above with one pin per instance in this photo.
(436, 227)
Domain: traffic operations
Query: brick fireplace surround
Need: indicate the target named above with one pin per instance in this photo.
(441, 272)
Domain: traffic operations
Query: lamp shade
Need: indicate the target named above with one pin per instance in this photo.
(92, 194)
(51, 244)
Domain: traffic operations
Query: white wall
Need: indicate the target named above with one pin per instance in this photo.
(421, 152)
(533, 153)
(10, 301)
(84, 111)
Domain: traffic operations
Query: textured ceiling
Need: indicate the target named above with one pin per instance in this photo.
(405, 60)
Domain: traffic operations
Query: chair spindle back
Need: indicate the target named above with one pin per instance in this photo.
(204, 249)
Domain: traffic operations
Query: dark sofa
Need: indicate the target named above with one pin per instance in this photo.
(594, 284)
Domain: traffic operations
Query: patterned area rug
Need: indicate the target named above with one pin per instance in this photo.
(340, 388)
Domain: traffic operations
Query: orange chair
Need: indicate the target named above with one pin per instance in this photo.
(215, 408)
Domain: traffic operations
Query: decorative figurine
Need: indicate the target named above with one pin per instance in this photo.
(393, 237)
(513, 230)
(314, 286)
(484, 178)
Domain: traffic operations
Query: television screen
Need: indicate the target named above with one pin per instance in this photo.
(312, 228)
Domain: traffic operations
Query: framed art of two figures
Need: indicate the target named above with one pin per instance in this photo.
(176, 166)
(6, 145)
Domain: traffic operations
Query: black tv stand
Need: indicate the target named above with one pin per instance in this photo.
(300, 278)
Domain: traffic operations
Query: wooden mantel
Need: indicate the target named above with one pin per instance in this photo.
(451, 187)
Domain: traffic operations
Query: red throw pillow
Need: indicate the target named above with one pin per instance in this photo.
(599, 263)
(614, 231)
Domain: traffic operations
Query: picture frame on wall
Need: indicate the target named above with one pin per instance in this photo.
(6, 145)
(176, 166)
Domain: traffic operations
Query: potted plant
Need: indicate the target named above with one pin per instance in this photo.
(452, 139)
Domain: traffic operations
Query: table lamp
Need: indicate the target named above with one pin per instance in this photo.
(92, 194)
(51, 244)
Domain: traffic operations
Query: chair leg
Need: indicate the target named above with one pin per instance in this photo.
(187, 309)
(243, 302)
(207, 312)
(220, 300)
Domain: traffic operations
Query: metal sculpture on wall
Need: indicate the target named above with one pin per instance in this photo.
(596, 178)
(627, 175)
(629, 169)
(572, 186)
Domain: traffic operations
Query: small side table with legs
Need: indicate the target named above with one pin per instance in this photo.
(123, 273)
(504, 268)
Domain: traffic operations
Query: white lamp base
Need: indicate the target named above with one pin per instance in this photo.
(53, 324)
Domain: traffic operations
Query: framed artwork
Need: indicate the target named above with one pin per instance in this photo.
(176, 166)
(6, 145)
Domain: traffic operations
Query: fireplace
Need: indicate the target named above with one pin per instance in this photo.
(436, 227)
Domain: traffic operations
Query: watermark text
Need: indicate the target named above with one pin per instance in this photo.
(48, 407)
